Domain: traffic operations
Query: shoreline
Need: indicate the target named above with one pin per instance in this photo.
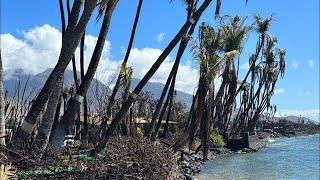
(191, 166)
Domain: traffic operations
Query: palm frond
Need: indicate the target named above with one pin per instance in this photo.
(7, 172)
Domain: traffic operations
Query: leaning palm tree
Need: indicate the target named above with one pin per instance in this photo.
(42, 137)
(52, 110)
(2, 102)
(190, 8)
(126, 105)
(66, 123)
(233, 34)
(261, 26)
(206, 52)
(74, 31)
(267, 65)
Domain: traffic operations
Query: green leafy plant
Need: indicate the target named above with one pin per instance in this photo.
(84, 156)
(217, 139)
(139, 133)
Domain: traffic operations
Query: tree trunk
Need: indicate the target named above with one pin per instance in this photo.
(126, 105)
(173, 72)
(45, 128)
(183, 139)
(66, 123)
(125, 125)
(200, 108)
(166, 126)
(2, 103)
(74, 67)
(70, 41)
(164, 108)
(56, 116)
(206, 125)
(85, 102)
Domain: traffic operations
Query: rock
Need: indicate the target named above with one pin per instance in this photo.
(189, 177)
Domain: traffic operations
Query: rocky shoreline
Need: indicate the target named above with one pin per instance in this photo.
(191, 165)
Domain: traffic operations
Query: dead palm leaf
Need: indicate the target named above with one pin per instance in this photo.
(7, 172)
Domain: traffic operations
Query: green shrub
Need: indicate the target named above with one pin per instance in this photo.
(216, 139)
(139, 133)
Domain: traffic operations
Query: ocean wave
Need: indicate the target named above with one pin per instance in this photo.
(271, 140)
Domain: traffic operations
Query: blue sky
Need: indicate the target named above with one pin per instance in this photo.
(296, 25)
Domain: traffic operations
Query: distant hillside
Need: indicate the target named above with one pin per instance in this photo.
(291, 118)
(37, 81)
(156, 89)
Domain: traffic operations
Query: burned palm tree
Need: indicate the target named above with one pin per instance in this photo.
(215, 52)
(75, 28)
(67, 121)
(258, 93)
(126, 105)
(233, 34)
(266, 66)
(206, 51)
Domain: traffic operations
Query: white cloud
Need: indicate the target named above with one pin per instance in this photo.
(39, 49)
(313, 114)
(279, 91)
(310, 63)
(142, 59)
(161, 36)
(244, 66)
(295, 64)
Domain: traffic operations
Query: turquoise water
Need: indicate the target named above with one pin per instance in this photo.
(284, 158)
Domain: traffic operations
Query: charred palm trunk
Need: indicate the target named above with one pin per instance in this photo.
(206, 126)
(165, 107)
(166, 126)
(171, 77)
(42, 138)
(85, 102)
(199, 111)
(74, 67)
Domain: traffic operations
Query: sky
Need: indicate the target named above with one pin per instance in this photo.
(31, 40)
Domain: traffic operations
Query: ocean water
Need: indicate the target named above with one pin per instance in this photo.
(283, 158)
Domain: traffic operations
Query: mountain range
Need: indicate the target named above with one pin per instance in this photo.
(36, 82)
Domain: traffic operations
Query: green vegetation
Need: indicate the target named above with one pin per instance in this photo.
(29, 173)
(217, 139)
(139, 133)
